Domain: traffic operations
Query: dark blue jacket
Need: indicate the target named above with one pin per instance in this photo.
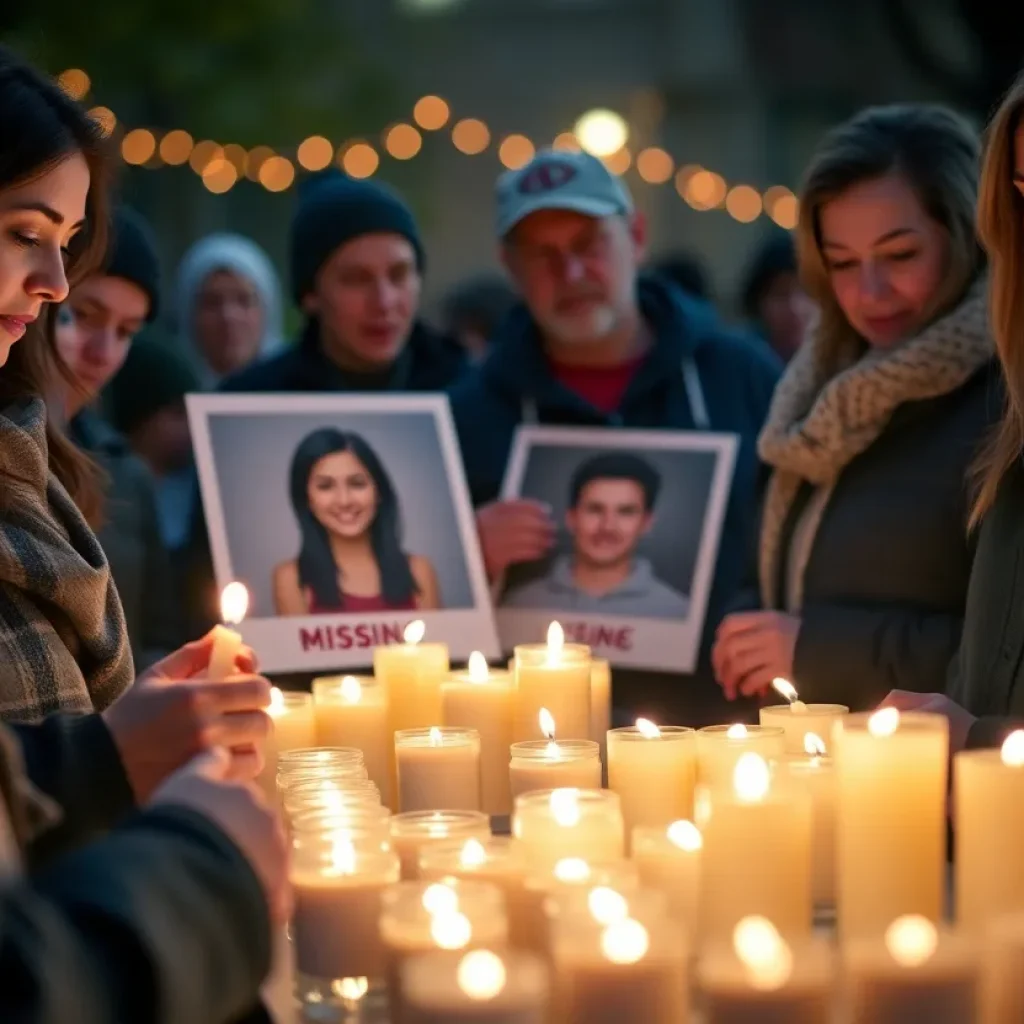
(737, 376)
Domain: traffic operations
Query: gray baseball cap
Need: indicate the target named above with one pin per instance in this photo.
(559, 180)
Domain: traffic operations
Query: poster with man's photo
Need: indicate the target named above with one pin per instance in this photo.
(347, 517)
(639, 516)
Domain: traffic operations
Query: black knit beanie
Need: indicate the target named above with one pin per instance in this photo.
(132, 255)
(334, 209)
(153, 376)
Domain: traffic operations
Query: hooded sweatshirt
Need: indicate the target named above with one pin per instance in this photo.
(242, 256)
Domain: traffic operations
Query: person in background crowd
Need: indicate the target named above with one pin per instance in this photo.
(166, 917)
(595, 346)
(146, 404)
(772, 297)
(473, 312)
(107, 309)
(229, 305)
(685, 271)
(864, 555)
(356, 270)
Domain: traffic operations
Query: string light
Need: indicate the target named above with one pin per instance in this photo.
(220, 175)
(403, 142)
(258, 156)
(138, 146)
(654, 165)
(237, 156)
(315, 153)
(618, 163)
(431, 113)
(105, 119)
(471, 136)
(176, 147)
(782, 206)
(743, 203)
(359, 160)
(705, 190)
(515, 151)
(277, 174)
(567, 142)
(75, 82)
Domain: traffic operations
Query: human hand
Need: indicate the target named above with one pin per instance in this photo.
(960, 719)
(172, 713)
(240, 811)
(753, 648)
(513, 531)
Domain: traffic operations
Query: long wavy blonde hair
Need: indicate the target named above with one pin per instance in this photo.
(1001, 229)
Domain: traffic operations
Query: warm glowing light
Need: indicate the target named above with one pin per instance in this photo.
(625, 942)
(743, 203)
(601, 132)
(784, 688)
(403, 141)
(415, 631)
(451, 931)
(751, 778)
(685, 835)
(911, 940)
(138, 146)
(618, 163)
(684, 176)
(351, 690)
(762, 950)
(565, 807)
(276, 706)
(343, 857)
(738, 731)
(258, 156)
(481, 975)
(782, 206)
(478, 672)
(515, 151)
(648, 729)
(470, 136)
(440, 899)
(556, 643)
(359, 160)
(1012, 751)
(353, 989)
(566, 142)
(219, 176)
(277, 174)
(473, 854)
(315, 153)
(606, 905)
(547, 723)
(705, 190)
(75, 82)
(884, 722)
(572, 869)
(431, 113)
(105, 119)
(204, 153)
(234, 603)
(435, 736)
(237, 156)
(654, 165)
(176, 147)
(814, 745)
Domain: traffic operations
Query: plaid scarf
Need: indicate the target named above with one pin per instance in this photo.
(63, 642)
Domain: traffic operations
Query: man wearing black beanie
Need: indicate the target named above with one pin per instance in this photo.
(356, 273)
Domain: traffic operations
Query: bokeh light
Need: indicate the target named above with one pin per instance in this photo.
(277, 174)
(602, 132)
(359, 160)
(566, 142)
(705, 190)
(75, 82)
(220, 175)
(237, 156)
(106, 120)
(403, 141)
(515, 151)
(204, 153)
(618, 163)
(654, 165)
(138, 146)
(431, 113)
(258, 156)
(470, 136)
(176, 147)
(743, 203)
(782, 206)
(315, 153)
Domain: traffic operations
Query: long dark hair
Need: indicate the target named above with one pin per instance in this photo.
(39, 127)
(316, 562)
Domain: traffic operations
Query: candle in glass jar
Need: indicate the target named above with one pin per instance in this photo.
(291, 728)
(416, 831)
(668, 859)
(484, 700)
(438, 768)
(719, 747)
(227, 642)
(551, 764)
(988, 787)
(654, 771)
(561, 823)
(555, 675)
(891, 828)
(600, 703)
(352, 711)
(797, 718)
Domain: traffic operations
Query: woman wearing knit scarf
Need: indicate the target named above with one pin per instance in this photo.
(864, 557)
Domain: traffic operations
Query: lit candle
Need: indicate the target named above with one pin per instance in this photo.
(479, 987)
(797, 718)
(555, 675)
(600, 703)
(411, 674)
(416, 831)
(1002, 970)
(668, 859)
(291, 728)
(757, 855)
(551, 764)
(891, 828)
(484, 700)
(438, 768)
(988, 787)
(227, 643)
(913, 972)
(352, 711)
(761, 978)
(719, 747)
(564, 823)
(654, 771)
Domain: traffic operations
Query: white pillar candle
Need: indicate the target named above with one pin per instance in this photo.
(719, 747)
(438, 769)
(797, 719)
(668, 859)
(760, 977)
(227, 643)
(654, 771)
(914, 972)
(563, 823)
(600, 702)
(291, 728)
(484, 700)
(988, 787)
(1002, 970)
(757, 855)
(555, 675)
(480, 987)
(414, 832)
(891, 829)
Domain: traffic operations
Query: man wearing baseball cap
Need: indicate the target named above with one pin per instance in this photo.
(594, 344)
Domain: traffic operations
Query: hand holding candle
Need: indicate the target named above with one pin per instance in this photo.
(227, 643)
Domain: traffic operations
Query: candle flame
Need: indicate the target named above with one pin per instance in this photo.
(437, 827)
(737, 731)
(415, 631)
(353, 989)
(606, 905)
(565, 807)
(276, 705)
(435, 736)
(547, 723)
(451, 930)
(1012, 751)
(343, 855)
(234, 603)
(814, 745)
(911, 940)
(784, 688)
(351, 690)
(473, 854)
(763, 951)
(648, 729)
(556, 642)
(884, 722)
(572, 869)
(481, 975)
(751, 778)
(685, 835)
(625, 941)
(440, 899)
(478, 672)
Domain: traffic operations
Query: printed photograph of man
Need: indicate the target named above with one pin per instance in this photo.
(612, 498)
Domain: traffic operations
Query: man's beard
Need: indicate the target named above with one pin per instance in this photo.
(594, 326)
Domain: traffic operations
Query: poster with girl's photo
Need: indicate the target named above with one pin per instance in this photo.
(346, 517)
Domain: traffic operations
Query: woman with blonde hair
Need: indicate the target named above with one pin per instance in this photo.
(864, 557)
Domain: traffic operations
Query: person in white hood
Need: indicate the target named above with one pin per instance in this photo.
(229, 305)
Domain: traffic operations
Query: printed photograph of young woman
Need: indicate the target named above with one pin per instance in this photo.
(351, 558)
